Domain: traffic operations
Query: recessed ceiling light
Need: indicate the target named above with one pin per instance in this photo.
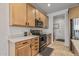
(49, 4)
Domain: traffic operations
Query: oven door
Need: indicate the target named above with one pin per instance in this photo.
(43, 40)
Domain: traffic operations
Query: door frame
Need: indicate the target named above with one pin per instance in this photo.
(67, 26)
(53, 26)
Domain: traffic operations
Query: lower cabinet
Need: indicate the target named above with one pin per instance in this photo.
(29, 47)
(35, 46)
(34, 51)
(23, 51)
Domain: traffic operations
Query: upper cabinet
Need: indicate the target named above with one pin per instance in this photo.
(74, 12)
(37, 14)
(31, 16)
(18, 14)
(22, 14)
(44, 19)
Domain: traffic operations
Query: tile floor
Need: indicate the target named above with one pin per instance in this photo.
(59, 49)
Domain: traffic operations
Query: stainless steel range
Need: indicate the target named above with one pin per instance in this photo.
(42, 38)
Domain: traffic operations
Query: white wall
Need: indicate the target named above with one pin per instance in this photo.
(59, 30)
(50, 27)
(67, 30)
(4, 28)
(67, 33)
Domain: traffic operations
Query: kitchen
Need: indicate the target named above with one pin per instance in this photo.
(26, 15)
(30, 30)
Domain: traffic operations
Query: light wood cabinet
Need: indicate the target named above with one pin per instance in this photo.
(46, 22)
(24, 50)
(18, 14)
(35, 46)
(29, 47)
(31, 16)
(22, 14)
(74, 12)
(44, 19)
(37, 14)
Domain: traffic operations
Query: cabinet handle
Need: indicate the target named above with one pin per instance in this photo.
(36, 39)
(26, 23)
(36, 45)
(39, 18)
(36, 42)
(36, 49)
(24, 42)
(30, 45)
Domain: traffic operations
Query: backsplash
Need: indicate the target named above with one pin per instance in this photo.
(19, 31)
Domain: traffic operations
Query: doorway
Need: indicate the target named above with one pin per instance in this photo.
(59, 28)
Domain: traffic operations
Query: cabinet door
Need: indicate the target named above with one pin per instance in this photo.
(37, 14)
(31, 16)
(23, 51)
(46, 22)
(35, 51)
(18, 14)
(42, 18)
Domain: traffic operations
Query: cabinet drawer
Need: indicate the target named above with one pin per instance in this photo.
(35, 43)
(22, 43)
(35, 40)
(35, 51)
(35, 46)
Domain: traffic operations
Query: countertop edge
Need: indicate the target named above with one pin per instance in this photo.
(18, 39)
(75, 44)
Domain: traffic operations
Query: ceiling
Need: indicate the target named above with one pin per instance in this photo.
(54, 6)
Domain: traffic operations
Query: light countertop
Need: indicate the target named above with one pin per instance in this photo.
(76, 44)
(17, 39)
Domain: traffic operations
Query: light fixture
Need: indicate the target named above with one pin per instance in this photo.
(49, 4)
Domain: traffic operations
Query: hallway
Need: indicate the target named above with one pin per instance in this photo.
(60, 49)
